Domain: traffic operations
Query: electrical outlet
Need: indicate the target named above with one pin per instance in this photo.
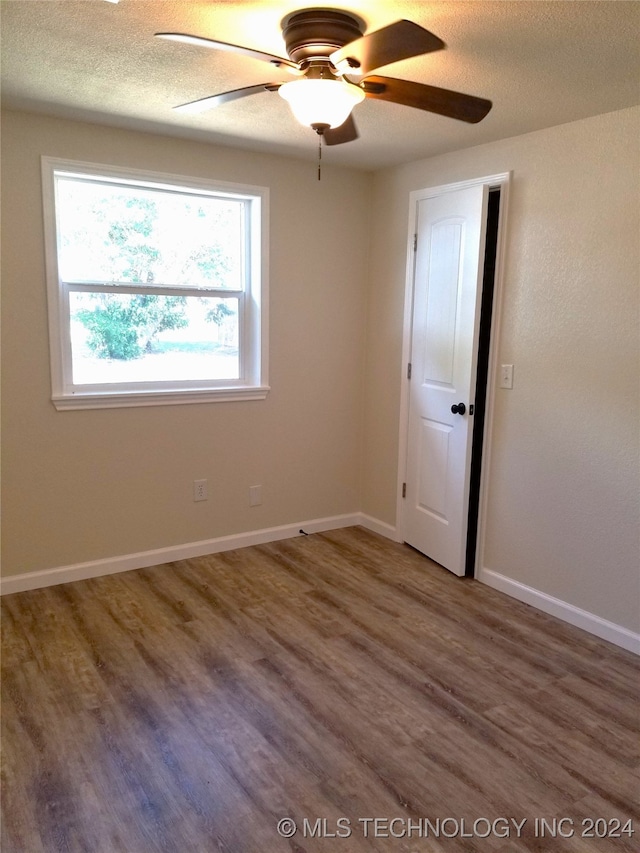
(255, 495)
(200, 492)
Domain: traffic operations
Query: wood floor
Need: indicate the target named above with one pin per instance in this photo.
(329, 679)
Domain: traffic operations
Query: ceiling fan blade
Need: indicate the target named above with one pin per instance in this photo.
(212, 101)
(347, 132)
(444, 102)
(278, 61)
(381, 47)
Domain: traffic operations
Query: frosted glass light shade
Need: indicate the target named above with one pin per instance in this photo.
(327, 102)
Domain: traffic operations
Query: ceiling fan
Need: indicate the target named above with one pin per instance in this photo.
(326, 48)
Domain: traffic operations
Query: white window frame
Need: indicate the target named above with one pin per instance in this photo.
(253, 300)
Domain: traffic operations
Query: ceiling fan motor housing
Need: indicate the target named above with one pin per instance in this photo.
(317, 33)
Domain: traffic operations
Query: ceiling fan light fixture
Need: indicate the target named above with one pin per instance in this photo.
(321, 101)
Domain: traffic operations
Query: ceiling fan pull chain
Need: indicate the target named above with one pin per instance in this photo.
(319, 156)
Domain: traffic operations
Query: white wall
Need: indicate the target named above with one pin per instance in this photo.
(86, 485)
(563, 481)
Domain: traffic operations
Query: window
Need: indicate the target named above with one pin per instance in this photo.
(156, 285)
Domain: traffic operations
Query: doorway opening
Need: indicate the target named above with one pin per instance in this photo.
(484, 341)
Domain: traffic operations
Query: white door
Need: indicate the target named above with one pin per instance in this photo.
(447, 290)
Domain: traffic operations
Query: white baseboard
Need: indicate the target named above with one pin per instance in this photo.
(602, 628)
(377, 526)
(143, 559)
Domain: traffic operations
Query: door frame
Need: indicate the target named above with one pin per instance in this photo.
(501, 181)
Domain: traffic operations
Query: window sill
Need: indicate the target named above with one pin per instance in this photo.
(157, 398)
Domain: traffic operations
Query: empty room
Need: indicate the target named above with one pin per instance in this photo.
(320, 426)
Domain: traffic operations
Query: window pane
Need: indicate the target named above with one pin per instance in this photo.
(126, 338)
(114, 233)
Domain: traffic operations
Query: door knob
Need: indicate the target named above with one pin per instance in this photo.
(458, 408)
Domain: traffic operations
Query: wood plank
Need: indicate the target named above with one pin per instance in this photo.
(191, 706)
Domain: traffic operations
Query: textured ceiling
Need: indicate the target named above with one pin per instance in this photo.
(541, 63)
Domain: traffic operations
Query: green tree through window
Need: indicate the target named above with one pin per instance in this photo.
(127, 330)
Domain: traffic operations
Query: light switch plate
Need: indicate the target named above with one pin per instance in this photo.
(506, 376)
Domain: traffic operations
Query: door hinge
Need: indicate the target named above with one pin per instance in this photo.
(415, 242)
(409, 370)
(404, 490)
